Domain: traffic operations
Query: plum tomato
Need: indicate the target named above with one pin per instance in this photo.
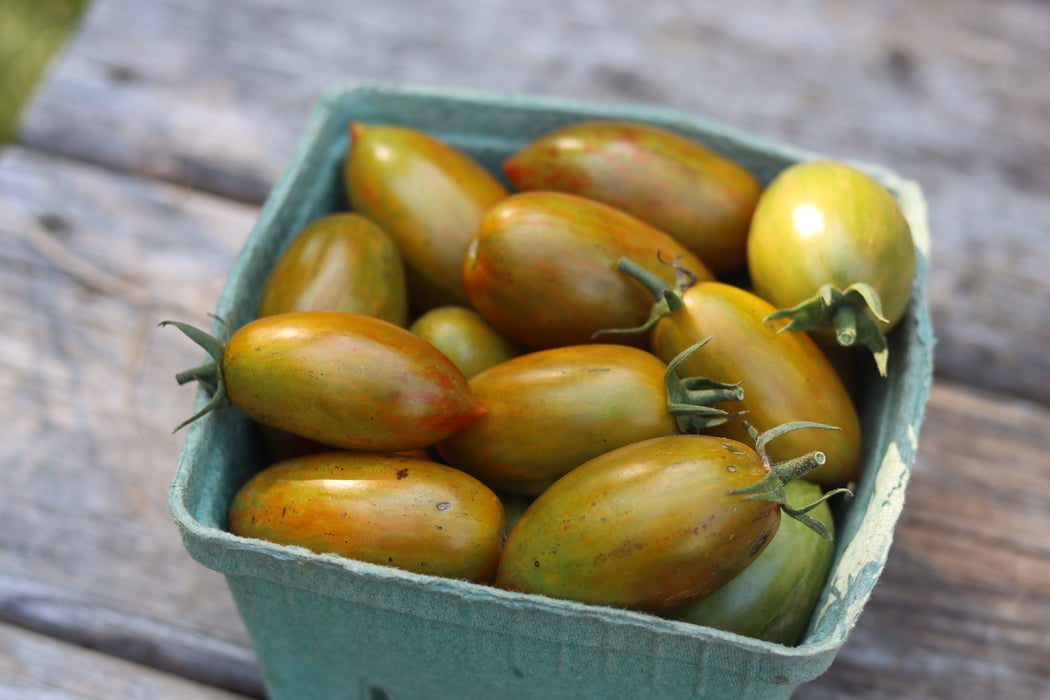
(428, 195)
(651, 526)
(339, 262)
(541, 268)
(785, 376)
(774, 597)
(386, 509)
(551, 410)
(340, 378)
(465, 337)
(675, 183)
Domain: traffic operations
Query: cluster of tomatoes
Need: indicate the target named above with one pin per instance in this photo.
(553, 388)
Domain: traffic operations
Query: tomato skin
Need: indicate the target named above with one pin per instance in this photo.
(398, 511)
(785, 376)
(428, 195)
(552, 410)
(672, 182)
(340, 262)
(824, 222)
(650, 526)
(773, 598)
(346, 380)
(542, 268)
(465, 337)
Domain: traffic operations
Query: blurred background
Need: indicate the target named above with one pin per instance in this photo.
(32, 32)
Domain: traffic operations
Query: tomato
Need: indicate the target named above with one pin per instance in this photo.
(408, 513)
(650, 526)
(428, 195)
(465, 337)
(340, 262)
(339, 378)
(774, 597)
(785, 376)
(552, 410)
(542, 268)
(830, 248)
(672, 182)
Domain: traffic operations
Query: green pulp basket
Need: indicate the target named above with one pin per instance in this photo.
(327, 627)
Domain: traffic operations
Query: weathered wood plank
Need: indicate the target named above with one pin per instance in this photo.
(951, 93)
(90, 395)
(159, 645)
(38, 666)
(963, 607)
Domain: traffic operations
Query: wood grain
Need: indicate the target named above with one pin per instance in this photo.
(954, 94)
(38, 666)
(962, 609)
(91, 394)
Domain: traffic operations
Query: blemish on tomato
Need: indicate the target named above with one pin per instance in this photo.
(444, 505)
(401, 474)
(757, 546)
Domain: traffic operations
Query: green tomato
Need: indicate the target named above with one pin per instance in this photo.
(830, 248)
(465, 337)
(550, 411)
(774, 597)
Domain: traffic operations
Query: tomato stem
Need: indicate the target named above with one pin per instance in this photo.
(691, 400)
(668, 297)
(209, 375)
(854, 313)
(846, 325)
(771, 488)
(208, 372)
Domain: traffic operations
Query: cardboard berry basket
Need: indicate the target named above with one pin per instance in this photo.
(324, 627)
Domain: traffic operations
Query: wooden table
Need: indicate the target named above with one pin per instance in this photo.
(140, 169)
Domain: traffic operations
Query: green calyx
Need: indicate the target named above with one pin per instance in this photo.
(852, 312)
(209, 374)
(771, 488)
(668, 297)
(691, 400)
